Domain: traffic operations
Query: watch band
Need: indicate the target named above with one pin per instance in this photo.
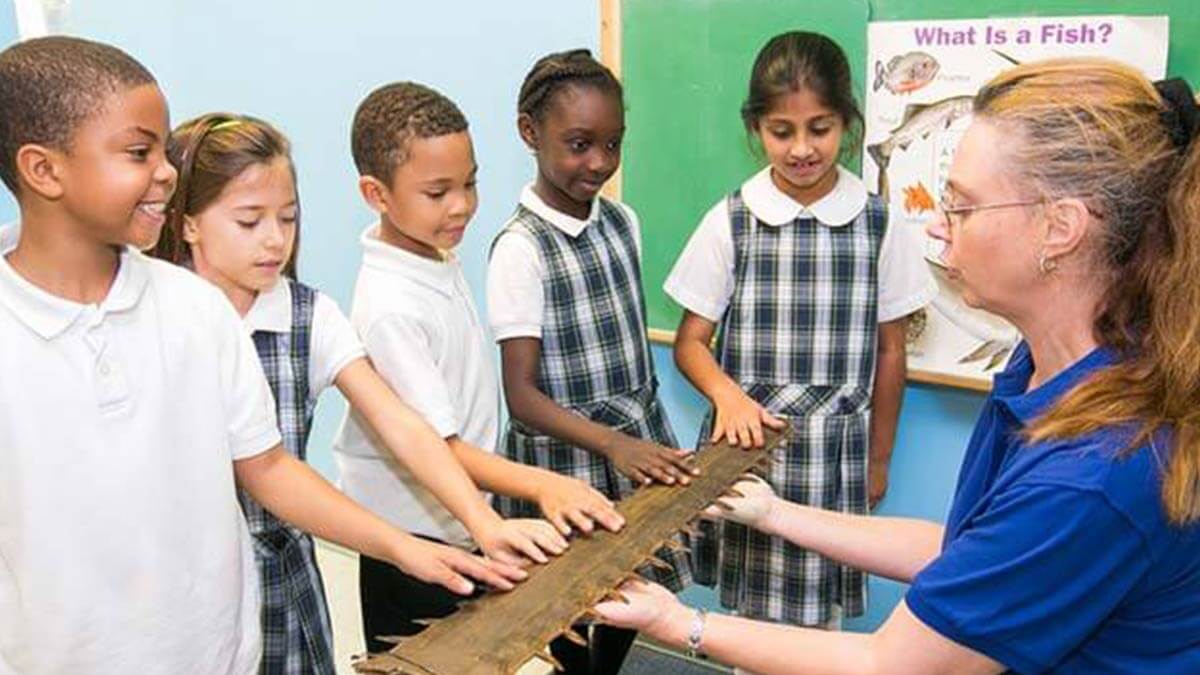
(696, 633)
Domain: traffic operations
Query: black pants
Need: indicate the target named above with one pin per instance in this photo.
(391, 600)
(604, 654)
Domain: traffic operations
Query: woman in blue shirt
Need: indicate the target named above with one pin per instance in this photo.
(1073, 542)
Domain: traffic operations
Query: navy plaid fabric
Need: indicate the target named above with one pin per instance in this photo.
(297, 637)
(800, 336)
(595, 358)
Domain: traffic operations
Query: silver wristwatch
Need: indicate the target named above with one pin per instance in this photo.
(696, 633)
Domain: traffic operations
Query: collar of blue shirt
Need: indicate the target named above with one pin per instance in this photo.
(1011, 388)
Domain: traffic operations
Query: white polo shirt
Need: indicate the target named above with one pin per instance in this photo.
(421, 330)
(515, 271)
(702, 280)
(333, 344)
(122, 547)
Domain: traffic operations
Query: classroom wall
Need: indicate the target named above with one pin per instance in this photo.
(305, 66)
(8, 34)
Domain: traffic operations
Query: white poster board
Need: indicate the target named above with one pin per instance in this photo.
(921, 76)
(38, 18)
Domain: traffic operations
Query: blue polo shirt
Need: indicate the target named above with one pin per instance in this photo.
(1058, 556)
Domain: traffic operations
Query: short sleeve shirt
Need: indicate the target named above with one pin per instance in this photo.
(703, 278)
(1058, 556)
(120, 530)
(334, 344)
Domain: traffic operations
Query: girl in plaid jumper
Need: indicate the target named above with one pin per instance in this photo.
(234, 220)
(807, 290)
(565, 301)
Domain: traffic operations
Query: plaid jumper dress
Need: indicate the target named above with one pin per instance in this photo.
(595, 359)
(297, 637)
(799, 336)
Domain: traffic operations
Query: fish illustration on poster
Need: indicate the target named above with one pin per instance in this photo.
(923, 76)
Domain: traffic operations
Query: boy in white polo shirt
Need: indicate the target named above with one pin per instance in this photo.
(133, 402)
(415, 315)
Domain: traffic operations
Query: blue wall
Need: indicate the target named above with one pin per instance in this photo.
(305, 66)
(8, 34)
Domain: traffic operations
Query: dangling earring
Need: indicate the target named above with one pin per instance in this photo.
(1046, 265)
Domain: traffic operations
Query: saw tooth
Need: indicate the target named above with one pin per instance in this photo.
(578, 639)
(654, 561)
(616, 596)
(673, 545)
(549, 659)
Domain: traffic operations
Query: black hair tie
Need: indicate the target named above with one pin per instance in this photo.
(1182, 116)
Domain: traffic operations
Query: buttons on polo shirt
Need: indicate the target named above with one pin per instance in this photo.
(111, 387)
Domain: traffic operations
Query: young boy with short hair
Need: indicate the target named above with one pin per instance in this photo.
(416, 317)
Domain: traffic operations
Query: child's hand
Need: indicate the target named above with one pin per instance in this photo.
(740, 420)
(752, 509)
(450, 567)
(519, 540)
(645, 462)
(568, 502)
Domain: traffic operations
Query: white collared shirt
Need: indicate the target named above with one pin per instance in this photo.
(702, 280)
(514, 281)
(120, 530)
(333, 344)
(418, 322)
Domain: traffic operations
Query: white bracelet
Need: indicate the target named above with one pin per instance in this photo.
(696, 634)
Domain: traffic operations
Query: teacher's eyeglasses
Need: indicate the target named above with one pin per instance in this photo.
(957, 215)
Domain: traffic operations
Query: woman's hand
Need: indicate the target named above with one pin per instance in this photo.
(740, 419)
(569, 502)
(517, 541)
(752, 509)
(650, 609)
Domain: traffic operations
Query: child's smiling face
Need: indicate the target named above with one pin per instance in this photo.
(578, 145)
(114, 177)
(801, 137)
(432, 194)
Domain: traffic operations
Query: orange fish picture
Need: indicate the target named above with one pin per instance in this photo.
(917, 199)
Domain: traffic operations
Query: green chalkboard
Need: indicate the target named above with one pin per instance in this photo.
(685, 63)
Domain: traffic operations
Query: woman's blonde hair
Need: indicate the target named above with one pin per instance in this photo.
(1098, 130)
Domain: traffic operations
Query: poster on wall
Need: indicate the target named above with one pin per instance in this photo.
(38, 18)
(921, 77)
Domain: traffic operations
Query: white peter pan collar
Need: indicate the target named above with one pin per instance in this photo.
(570, 225)
(271, 310)
(49, 315)
(439, 275)
(771, 206)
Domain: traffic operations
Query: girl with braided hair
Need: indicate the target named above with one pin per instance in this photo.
(565, 302)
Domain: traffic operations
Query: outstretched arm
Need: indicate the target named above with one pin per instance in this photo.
(295, 493)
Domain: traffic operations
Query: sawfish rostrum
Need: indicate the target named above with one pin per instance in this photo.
(919, 121)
